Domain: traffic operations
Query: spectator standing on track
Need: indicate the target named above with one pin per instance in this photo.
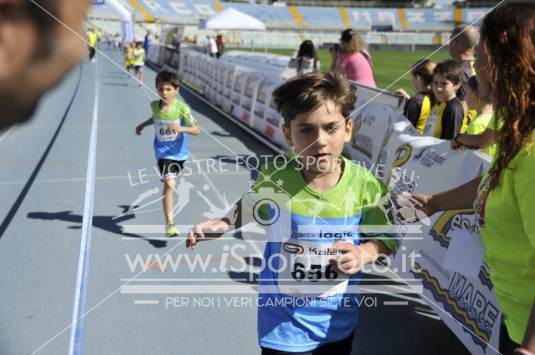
(128, 59)
(503, 197)
(305, 59)
(173, 123)
(211, 46)
(37, 52)
(92, 39)
(138, 61)
(220, 45)
(352, 57)
(147, 42)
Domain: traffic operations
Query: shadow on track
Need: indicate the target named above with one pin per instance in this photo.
(106, 223)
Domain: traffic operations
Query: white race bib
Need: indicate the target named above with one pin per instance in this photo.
(305, 270)
(164, 132)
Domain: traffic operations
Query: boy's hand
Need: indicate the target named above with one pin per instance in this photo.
(201, 230)
(139, 129)
(351, 260)
(175, 127)
(402, 93)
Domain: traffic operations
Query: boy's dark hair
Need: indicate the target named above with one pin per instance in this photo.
(424, 69)
(167, 77)
(450, 70)
(472, 84)
(307, 92)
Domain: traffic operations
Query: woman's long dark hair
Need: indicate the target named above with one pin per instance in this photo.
(508, 34)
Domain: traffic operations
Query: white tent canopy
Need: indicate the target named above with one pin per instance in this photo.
(232, 19)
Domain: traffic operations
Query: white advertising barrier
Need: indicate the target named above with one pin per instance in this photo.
(228, 88)
(249, 97)
(367, 95)
(240, 78)
(273, 64)
(267, 121)
(196, 69)
(392, 139)
(456, 282)
(187, 66)
(263, 96)
(183, 67)
(448, 254)
(370, 124)
(221, 73)
(203, 77)
(209, 67)
(224, 84)
(155, 55)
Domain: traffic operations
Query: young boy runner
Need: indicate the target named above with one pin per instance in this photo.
(308, 301)
(138, 60)
(173, 123)
(447, 118)
(128, 62)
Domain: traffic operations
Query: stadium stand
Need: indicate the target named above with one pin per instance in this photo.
(189, 12)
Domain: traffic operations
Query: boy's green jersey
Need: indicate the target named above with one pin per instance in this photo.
(306, 225)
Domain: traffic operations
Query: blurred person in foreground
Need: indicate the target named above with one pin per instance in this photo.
(36, 51)
(502, 198)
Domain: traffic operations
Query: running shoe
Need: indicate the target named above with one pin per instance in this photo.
(172, 231)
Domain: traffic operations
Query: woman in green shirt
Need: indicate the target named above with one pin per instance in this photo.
(503, 198)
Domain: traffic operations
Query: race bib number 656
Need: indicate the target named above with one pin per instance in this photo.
(306, 269)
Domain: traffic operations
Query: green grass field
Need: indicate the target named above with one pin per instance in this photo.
(389, 65)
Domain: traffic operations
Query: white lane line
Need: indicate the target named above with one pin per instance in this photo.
(7, 133)
(146, 302)
(76, 343)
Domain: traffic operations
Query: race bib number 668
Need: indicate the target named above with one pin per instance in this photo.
(164, 132)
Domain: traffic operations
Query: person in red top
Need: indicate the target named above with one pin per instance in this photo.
(353, 58)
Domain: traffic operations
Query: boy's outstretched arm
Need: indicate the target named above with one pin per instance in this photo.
(142, 125)
(215, 228)
(193, 130)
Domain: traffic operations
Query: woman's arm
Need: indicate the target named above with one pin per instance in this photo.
(461, 197)
(482, 140)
